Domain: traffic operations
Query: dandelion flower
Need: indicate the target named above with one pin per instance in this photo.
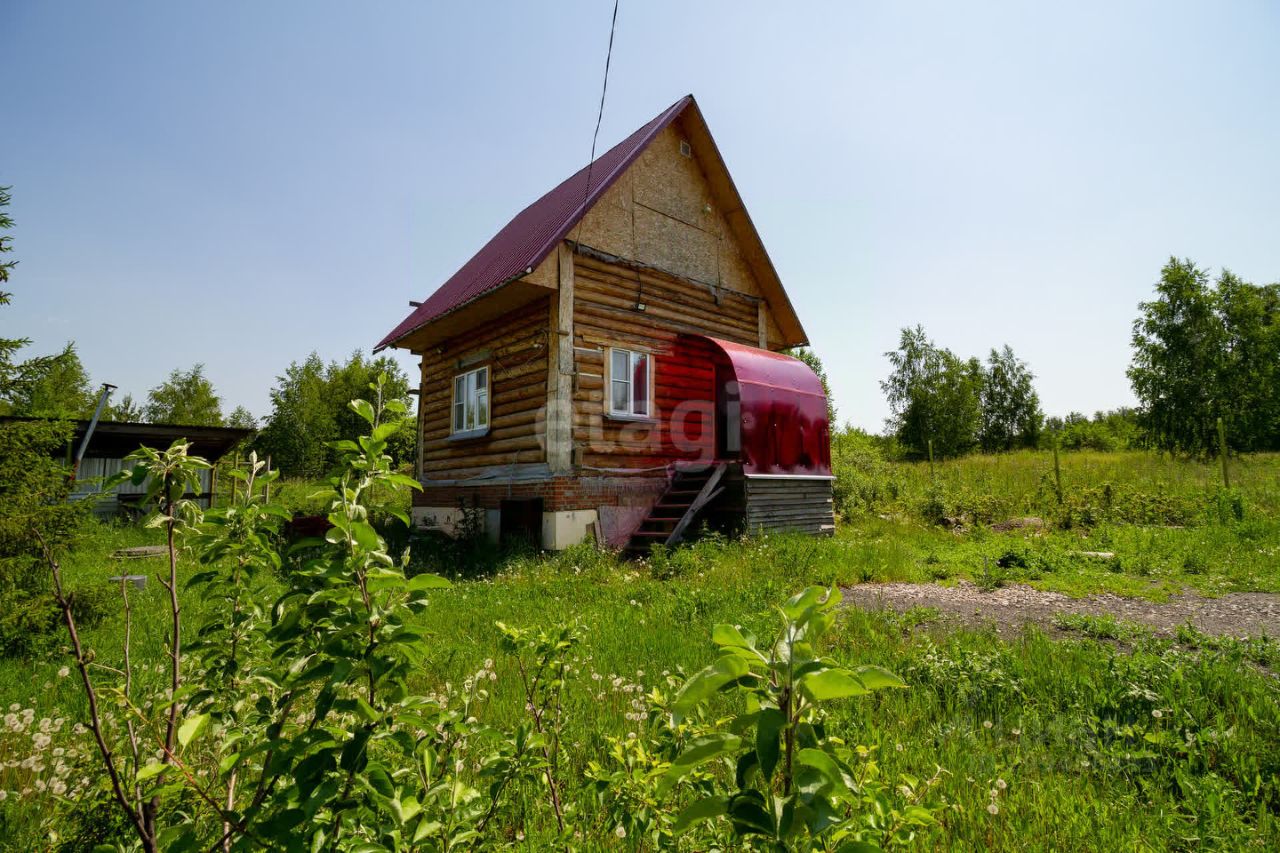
(993, 809)
(986, 724)
(1157, 713)
(64, 672)
(620, 831)
(1001, 784)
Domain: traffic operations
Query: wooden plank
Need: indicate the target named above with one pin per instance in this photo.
(708, 493)
(560, 367)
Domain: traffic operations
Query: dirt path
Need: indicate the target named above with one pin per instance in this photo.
(1237, 614)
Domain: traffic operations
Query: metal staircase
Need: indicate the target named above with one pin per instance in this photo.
(690, 491)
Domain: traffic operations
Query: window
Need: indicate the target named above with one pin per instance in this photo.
(628, 383)
(471, 402)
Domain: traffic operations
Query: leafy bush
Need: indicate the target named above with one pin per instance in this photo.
(34, 487)
(864, 482)
(795, 786)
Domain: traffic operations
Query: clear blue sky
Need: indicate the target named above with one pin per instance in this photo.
(238, 183)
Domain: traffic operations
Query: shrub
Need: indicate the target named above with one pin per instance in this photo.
(34, 487)
(864, 481)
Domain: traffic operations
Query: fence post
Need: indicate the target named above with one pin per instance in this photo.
(234, 489)
(266, 487)
(1057, 470)
(932, 478)
(1222, 453)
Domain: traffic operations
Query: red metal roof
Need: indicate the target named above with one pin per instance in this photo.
(785, 431)
(527, 239)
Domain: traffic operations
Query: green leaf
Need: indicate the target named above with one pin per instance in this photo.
(802, 601)
(768, 747)
(700, 810)
(831, 684)
(731, 635)
(366, 537)
(417, 583)
(877, 677)
(191, 728)
(363, 408)
(704, 749)
(749, 815)
(826, 765)
(151, 770)
(404, 480)
(703, 685)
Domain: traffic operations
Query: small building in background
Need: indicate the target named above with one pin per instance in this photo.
(611, 364)
(111, 442)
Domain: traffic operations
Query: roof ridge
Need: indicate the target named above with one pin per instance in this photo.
(531, 235)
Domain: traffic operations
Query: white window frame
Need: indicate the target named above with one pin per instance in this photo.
(467, 394)
(629, 413)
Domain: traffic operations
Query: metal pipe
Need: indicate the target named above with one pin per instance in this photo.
(107, 388)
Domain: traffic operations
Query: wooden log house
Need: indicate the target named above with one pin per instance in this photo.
(610, 364)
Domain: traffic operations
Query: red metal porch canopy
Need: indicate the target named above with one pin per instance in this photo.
(783, 412)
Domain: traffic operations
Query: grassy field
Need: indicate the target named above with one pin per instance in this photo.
(1103, 738)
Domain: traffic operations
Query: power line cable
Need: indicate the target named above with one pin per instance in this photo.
(595, 136)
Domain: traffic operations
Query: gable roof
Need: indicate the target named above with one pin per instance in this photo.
(534, 233)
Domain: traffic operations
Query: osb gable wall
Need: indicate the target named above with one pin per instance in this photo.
(514, 347)
(661, 213)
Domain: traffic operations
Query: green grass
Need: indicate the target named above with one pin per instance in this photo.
(1159, 744)
(1169, 523)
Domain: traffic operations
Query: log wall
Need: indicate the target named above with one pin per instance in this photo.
(514, 347)
(605, 315)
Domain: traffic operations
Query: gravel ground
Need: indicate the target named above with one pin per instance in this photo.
(1238, 614)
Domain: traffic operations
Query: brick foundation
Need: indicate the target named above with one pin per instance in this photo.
(620, 502)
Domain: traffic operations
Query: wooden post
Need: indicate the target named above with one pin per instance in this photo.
(266, 487)
(931, 475)
(559, 416)
(234, 490)
(1222, 453)
(1057, 470)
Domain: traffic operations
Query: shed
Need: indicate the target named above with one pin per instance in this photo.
(112, 441)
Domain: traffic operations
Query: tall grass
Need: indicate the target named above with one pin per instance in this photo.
(1136, 486)
(1075, 744)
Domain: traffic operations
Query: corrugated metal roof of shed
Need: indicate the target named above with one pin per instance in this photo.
(528, 238)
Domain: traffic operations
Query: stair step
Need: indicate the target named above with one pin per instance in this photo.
(671, 511)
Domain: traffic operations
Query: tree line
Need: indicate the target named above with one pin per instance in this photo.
(951, 405)
(1203, 350)
(309, 408)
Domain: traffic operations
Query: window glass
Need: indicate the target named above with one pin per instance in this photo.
(459, 403)
(640, 383)
(471, 400)
(628, 382)
(482, 397)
